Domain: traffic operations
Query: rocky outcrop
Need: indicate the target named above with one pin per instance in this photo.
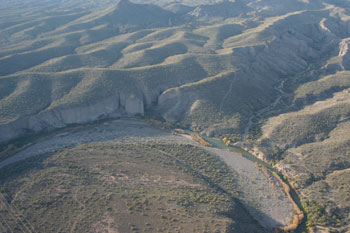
(60, 116)
(134, 105)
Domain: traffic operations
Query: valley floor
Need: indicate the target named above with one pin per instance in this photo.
(258, 191)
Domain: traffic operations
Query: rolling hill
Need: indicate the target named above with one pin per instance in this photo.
(272, 76)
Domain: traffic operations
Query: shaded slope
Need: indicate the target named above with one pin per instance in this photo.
(124, 16)
(138, 67)
(224, 9)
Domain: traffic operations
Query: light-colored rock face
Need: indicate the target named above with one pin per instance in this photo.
(91, 112)
(113, 106)
(134, 105)
(9, 131)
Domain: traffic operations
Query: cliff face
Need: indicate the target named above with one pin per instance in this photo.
(112, 106)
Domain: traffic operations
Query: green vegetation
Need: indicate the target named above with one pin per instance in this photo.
(315, 213)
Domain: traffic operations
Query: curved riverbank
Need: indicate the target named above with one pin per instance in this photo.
(299, 217)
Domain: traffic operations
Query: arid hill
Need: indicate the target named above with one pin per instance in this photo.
(271, 76)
